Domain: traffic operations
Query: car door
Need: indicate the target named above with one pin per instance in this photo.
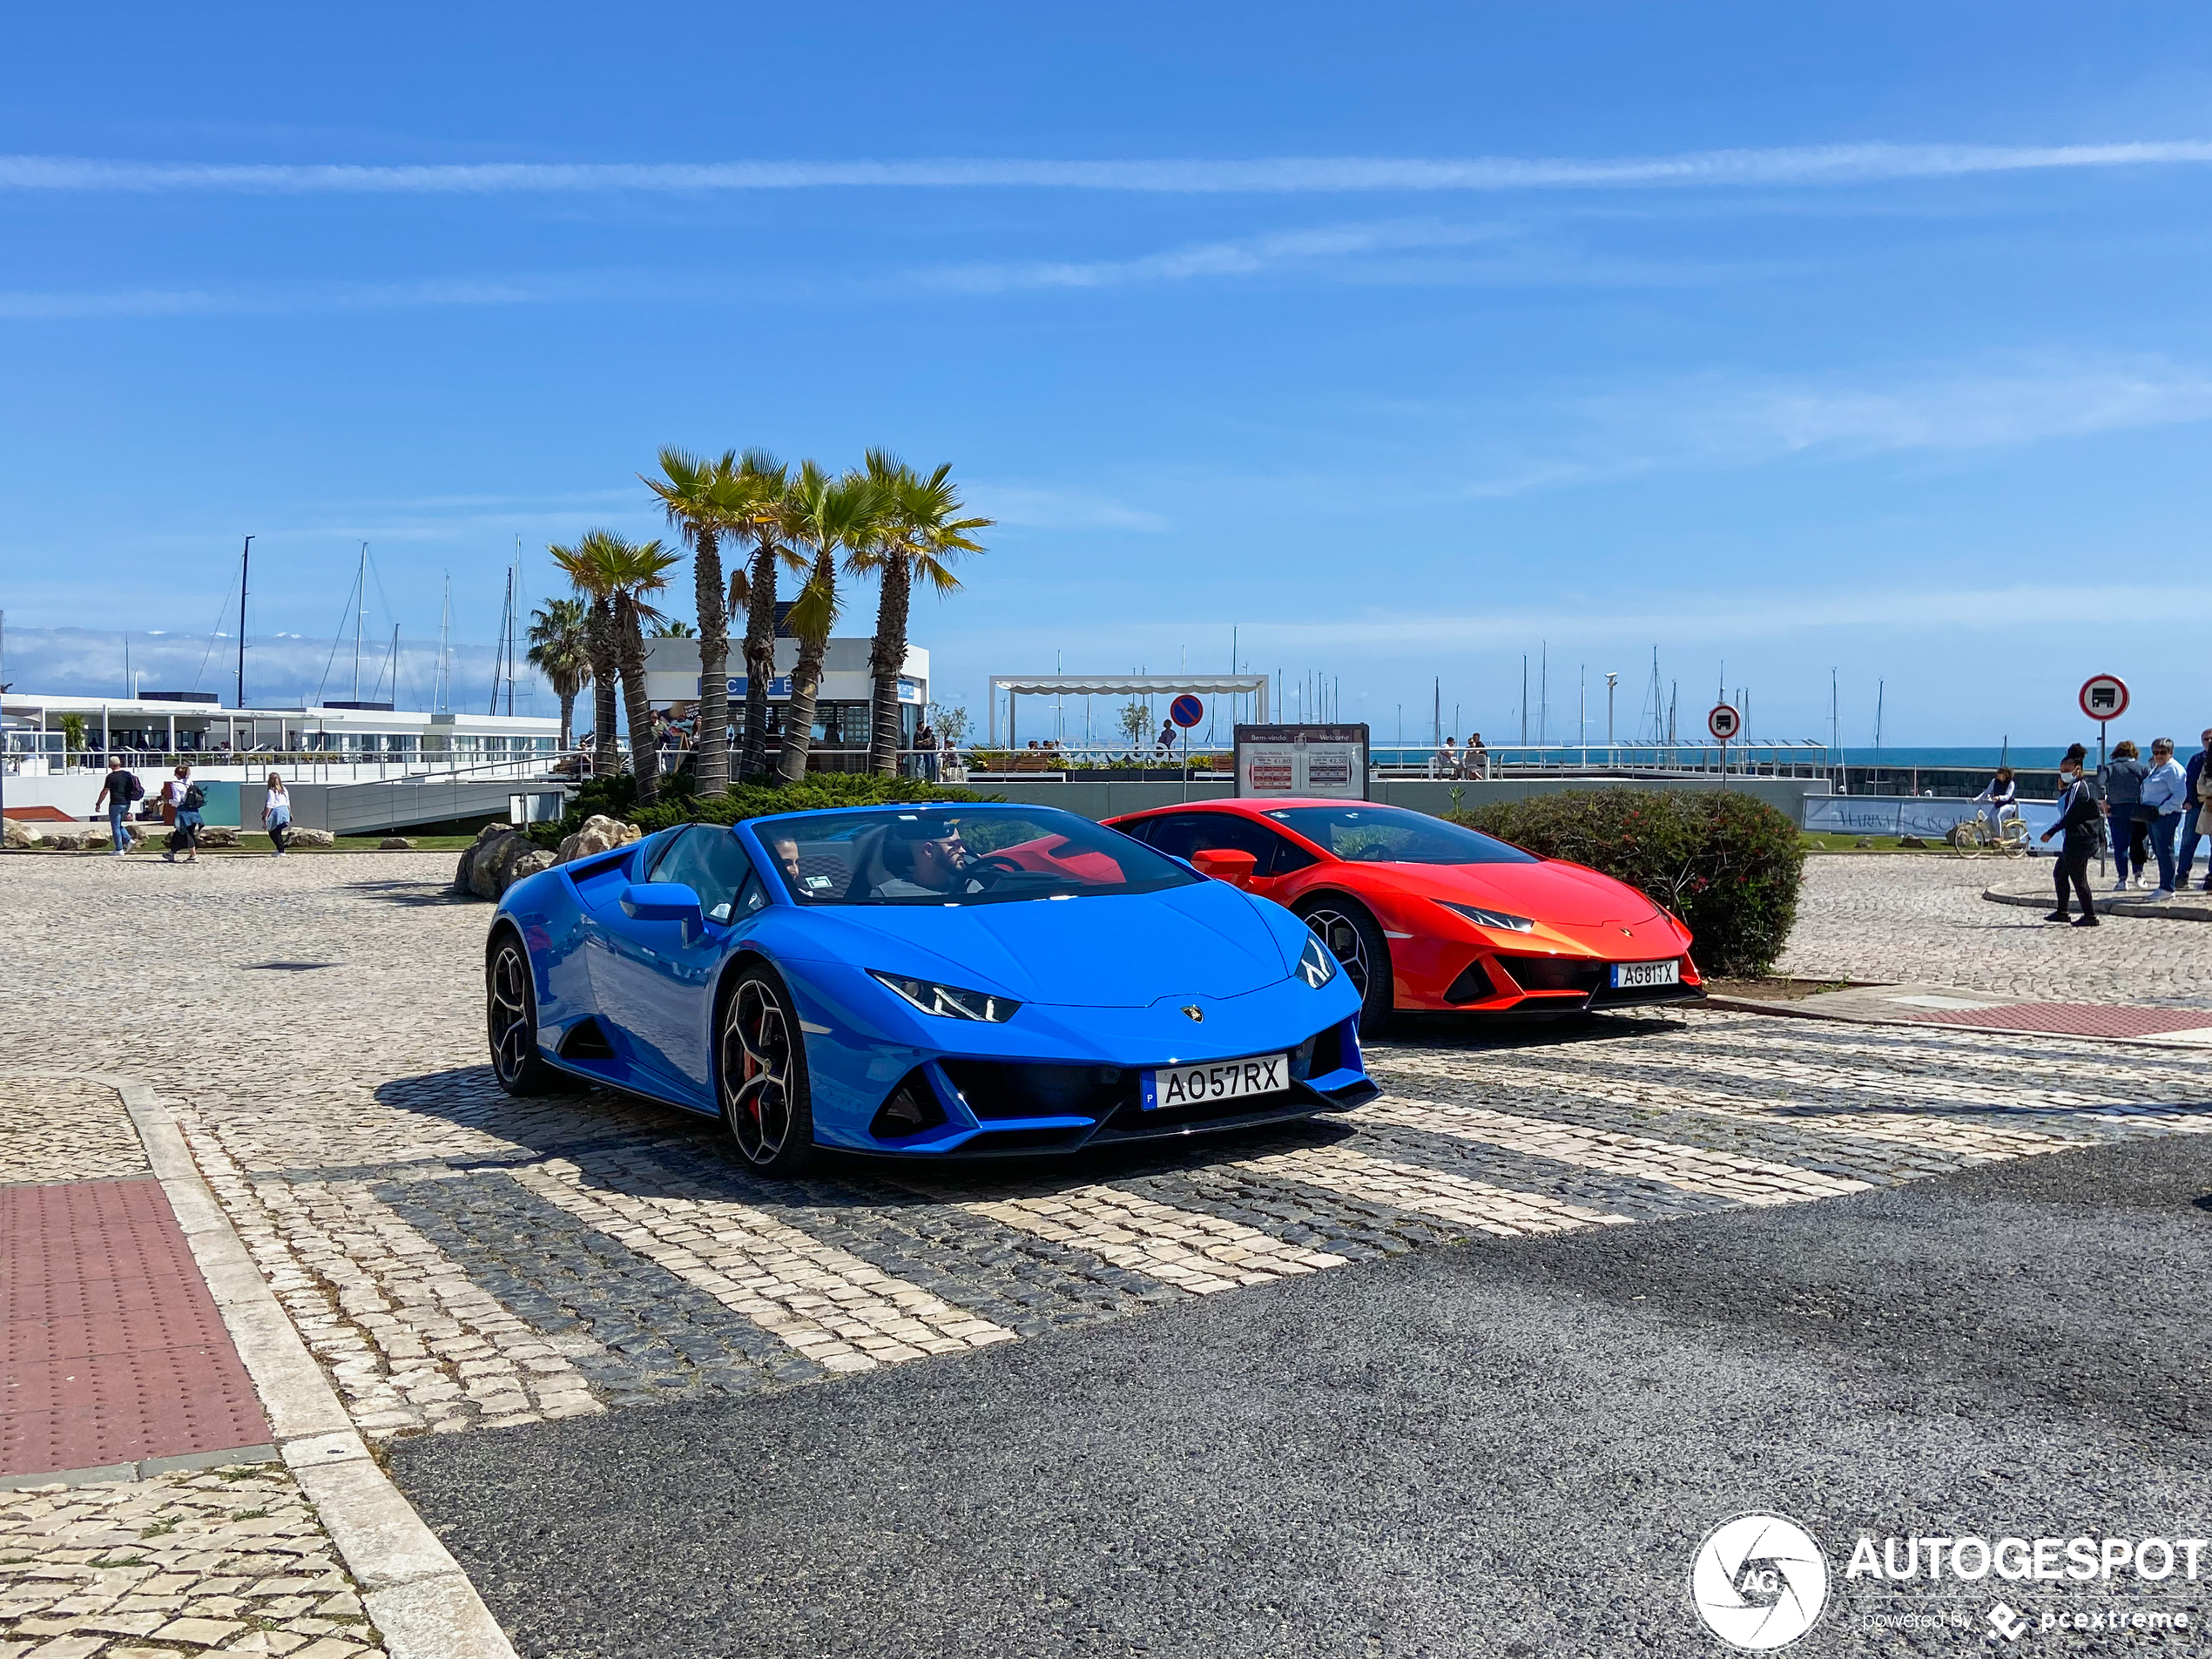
(660, 976)
(1274, 856)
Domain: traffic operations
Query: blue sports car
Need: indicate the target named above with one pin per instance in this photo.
(921, 980)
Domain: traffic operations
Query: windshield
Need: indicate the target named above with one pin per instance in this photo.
(1395, 835)
(959, 855)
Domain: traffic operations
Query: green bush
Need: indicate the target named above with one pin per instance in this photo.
(617, 797)
(1727, 864)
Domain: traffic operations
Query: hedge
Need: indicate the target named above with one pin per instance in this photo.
(617, 797)
(1727, 864)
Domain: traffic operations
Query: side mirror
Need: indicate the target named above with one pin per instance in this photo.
(662, 902)
(1223, 864)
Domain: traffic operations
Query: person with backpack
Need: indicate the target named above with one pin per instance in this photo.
(117, 790)
(181, 801)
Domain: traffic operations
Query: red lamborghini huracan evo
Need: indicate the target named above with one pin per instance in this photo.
(1426, 914)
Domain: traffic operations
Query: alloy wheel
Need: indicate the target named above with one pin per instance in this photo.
(1340, 933)
(756, 1071)
(513, 1031)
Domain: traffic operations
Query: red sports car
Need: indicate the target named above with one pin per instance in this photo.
(1423, 914)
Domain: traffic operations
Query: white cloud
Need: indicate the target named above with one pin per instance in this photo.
(1236, 258)
(1800, 164)
(33, 306)
(1035, 507)
(1726, 420)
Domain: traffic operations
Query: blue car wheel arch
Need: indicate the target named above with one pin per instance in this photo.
(1108, 991)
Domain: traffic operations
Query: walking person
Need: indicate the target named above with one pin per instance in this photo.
(2077, 817)
(2197, 793)
(2165, 789)
(276, 812)
(117, 790)
(181, 800)
(2121, 780)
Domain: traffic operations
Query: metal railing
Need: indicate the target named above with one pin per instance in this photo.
(298, 766)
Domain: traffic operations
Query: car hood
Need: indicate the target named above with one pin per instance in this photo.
(1568, 895)
(1123, 950)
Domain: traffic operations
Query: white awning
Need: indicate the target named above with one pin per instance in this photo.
(1252, 685)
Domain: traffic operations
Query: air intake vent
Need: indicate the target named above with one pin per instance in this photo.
(1472, 986)
(913, 1108)
(585, 1041)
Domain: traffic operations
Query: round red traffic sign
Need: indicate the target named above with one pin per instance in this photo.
(1724, 722)
(1186, 710)
(2104, 697)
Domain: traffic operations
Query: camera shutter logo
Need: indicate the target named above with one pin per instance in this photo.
(1759, 1581)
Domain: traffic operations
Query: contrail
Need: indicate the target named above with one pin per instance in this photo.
(1820, 164)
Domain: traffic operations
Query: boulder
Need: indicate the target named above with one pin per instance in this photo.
(500, 857)
(297, 837)
(218, 835)
(18, 836)
(396, 844)
(599, 834)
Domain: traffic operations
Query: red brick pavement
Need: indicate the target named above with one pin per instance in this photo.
(2071, 1019)
(111, 1350)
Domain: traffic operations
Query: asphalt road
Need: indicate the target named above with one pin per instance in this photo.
(1509, 1446)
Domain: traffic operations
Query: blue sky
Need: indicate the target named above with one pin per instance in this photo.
(1402, 340)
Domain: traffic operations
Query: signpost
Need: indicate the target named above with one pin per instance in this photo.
(1724, 722)
(2103, 698)
(1186, 711)
(1330, 761)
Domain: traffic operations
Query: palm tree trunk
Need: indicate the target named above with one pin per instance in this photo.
(885, 658)
(759, 658)
(568, 718)
(711, 762)
(606, 760)
(805, 686)
(644, 754)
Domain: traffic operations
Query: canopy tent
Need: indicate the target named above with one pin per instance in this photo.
(1018, 686)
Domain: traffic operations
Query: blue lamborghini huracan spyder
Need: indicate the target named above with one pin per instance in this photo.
(927, 980)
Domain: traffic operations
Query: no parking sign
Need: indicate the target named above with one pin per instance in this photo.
(1186, 710)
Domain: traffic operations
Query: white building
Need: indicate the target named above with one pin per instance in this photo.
(841, 711)
(46, 765)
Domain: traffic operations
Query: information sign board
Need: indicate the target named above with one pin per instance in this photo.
(1328, 761)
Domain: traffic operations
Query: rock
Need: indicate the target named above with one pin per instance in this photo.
(297, 837)
(1910, 841)
(501, 857)
(17, 836)
(599, 834)
(1865, 840)
(396, 844)
(218, 835)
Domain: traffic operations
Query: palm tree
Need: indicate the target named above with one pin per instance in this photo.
(767, 483)
(825, 515)
(707, 500)
(919, 532)
(583, 567)
(636, 570)
(674, 628)
(561, 650)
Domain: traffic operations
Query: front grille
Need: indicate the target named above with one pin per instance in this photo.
(1554, 973)
(995, 1088)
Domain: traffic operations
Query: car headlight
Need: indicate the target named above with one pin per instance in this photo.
(948, 1002)
(1500, 918)
(1316, 965)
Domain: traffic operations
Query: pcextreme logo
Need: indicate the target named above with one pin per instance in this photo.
(1759, 1581)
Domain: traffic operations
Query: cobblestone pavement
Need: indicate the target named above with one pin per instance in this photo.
(59, 1128)
(231, 1560)
(460, 1260)
(1904, 920)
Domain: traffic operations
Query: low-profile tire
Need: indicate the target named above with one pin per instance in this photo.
(1351, 933)
(510, 1019)
(760, 1075)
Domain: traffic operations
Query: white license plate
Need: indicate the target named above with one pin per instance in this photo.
(1174, 1086)
(1629, 976)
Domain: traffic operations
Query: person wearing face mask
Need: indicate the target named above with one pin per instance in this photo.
(2078, 816)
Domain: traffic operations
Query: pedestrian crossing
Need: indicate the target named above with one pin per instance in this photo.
(597, 1253)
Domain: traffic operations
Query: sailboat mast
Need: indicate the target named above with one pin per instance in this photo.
(445, 647)
(244, 565)
(361, 617)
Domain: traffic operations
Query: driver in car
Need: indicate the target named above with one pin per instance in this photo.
(924, 858)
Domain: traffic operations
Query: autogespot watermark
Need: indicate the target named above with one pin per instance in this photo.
(1760, 1581)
